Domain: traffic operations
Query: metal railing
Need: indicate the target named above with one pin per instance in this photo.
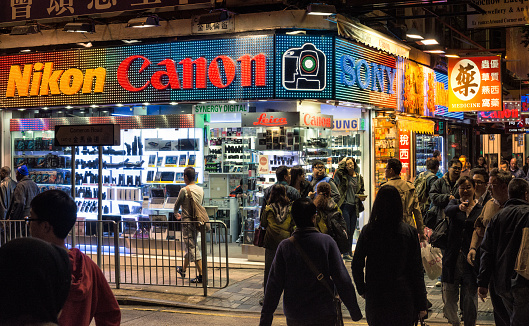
(146, 252)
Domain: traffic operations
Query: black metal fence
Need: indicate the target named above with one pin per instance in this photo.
(147, 252)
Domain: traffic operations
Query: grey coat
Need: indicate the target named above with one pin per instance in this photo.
(24, 193)
(7, 187)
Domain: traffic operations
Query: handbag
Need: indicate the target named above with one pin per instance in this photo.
(336, 299)
(522, 260)
(439, 236)
(258, 236)
(198, 212)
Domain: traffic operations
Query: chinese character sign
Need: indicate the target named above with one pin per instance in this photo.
(474, 84)
(404, 150)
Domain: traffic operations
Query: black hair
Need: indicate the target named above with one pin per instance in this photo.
(395, 165)
(278, 194)
(324, 195)
(58, 209)
(480, 171)
(356, 169)
(517, 188)
(303, 210)
(432, 164)
(454, 161)
(189, 172)
(436, 153)
(316, 163)
(464, 179)
(295, 172)
(281, 173)
(387, 210)
(504, 162)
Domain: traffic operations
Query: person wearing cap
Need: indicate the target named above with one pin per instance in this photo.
(24, 193)
(35, 281)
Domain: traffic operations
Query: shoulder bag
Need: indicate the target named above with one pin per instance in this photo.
(336, 299)
(522, 260)
(198, 212)
(439, 236)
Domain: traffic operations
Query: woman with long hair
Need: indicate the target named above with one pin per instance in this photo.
(278, 222)
(298, 181)
(329, 219)
(393, 283)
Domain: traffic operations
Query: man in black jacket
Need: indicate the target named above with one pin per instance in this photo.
(283, 178)
(7, 187)
(442, 192)
(24, 193)
(499, 251)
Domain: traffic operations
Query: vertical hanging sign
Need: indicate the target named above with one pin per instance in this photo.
(474, 84)
(404, 150)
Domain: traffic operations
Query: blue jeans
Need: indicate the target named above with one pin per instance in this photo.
(349, 215)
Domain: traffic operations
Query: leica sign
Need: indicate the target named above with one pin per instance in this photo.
(286, 119)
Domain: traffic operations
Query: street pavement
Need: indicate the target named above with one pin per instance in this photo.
(244, 291)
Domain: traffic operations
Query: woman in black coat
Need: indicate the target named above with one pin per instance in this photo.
(458, 276)
(393, 284)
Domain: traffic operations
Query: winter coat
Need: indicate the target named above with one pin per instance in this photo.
(410, 204)
(305, 188)
(340, 179)
(332, 211)
(518, 173)
(393, 281)
(7, 187)
(24, 193)
(90, 295)
(460, 229)
(278, 223)
(499, 248)
(440, 197)
(292, 193)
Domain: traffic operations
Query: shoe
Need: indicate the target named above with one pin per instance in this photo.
(261, 301)
(438, 284)
(197, 279)
(346, 257)
(180, 271)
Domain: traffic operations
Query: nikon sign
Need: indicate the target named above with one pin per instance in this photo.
(220, 108)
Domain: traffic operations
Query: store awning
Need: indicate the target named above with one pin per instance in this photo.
(354, 30)
(421, 126)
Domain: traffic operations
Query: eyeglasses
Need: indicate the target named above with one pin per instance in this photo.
(319, 167)
(457, 168)
(479, 183)
(465, 188)
(27, 219)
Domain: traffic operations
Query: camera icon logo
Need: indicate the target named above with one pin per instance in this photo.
(304, 69)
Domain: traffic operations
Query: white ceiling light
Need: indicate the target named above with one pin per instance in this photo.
(142, 22)
(414, 34)
(320, 9)
(80, 27)
(429, 41)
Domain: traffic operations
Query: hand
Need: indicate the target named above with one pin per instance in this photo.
(423, 313)
(482, 293)
(451, 197)
(422, 238)
(463, 206)
(178, 216)
(471, 257)
(311, 194)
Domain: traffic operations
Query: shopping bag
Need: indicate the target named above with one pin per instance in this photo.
(522, 260)
(258, 236)
(432, 260)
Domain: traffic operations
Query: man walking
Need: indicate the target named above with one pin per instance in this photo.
(499, 182)
(410, 203)
(437, 156)
(189, 230)
(499, 251)
(24, 192)
(423, 183)
(53, 214)
(283, 178)
(307, 298)
(7, 187)
(442, 192)
(515, 170)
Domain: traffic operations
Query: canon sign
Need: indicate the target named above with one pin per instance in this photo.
(195, 73)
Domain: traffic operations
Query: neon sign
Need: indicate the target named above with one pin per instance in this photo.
(198, 79)
(263, 120)
(40, 79)
(315, 120)
(367, 75)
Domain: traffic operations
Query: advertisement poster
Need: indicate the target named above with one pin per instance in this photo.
(474, 84)
(499, 13)
(264, 167)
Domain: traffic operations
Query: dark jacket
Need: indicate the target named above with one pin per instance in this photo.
(460, 229)
(440, 193)
(500, 245)
(337, 231)
(393, 271)
(278, 223)
(7, 187)
(340, 179)
(305, 188)
(518, 173)
(305, 298)
(24, 193)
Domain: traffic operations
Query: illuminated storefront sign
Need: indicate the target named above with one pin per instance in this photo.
(364, 75)
(345, 124)
(315, 120)
(286, 119)
(510, 113)
(525, 104)
(220, 108)
(474, 84)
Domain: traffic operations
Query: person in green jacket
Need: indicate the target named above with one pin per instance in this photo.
(329, 219)
(278, 222)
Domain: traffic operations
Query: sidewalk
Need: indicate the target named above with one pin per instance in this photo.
(245, 290)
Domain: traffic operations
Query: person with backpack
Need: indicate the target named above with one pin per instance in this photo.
(350, 183)
(423, 183)
(410, 203)
(329, 219)
(277, 221)
(189, 230)
(442, 192)
(319, 175)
